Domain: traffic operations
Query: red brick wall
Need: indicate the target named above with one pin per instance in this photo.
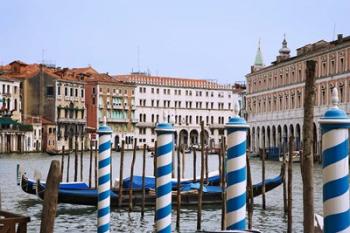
(91, 108)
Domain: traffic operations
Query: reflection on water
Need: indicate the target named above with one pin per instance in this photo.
(72, 218)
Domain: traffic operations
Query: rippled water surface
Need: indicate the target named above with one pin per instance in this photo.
(73, 218)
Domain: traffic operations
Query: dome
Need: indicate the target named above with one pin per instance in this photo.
(284, 49)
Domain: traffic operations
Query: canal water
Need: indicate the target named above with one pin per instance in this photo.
(74, 218)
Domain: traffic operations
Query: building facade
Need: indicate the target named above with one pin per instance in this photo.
(185, 103)
(115, 100)
(56, 94)
(10, 100)
(275, 93)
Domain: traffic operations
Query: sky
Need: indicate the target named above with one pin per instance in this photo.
(184, 38)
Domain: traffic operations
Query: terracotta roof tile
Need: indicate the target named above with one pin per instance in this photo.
(171, 81)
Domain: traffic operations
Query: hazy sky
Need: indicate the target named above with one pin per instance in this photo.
(186, 38)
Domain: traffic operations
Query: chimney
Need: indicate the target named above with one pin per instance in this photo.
(340, 37)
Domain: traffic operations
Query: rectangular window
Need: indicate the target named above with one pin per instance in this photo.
(49, 91)
(82, 93)
(71, 91)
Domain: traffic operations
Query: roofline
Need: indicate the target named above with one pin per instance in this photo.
(337, 46)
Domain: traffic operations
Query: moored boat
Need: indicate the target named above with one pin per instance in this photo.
(58, 152)
(212, 194)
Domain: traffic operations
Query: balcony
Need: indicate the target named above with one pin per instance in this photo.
(71, 120)
(6, 94)
(216, 126)
(146, 124)
(115, 120)
(117, 106)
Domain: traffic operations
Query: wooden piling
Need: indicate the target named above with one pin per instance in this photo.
(249, 192)
(308, 163)
(90, 165)
(81, 161)
(173, 163)
(143, 181)
(285, 204)
(62, 163)
(183, 161)
(290, 179)
(68, 162)
(178, 193)
(132, 176)
(200, 193)
(155, 175)
(50, 198)
(206, 166)
(263, 178)
(222, 184)
(96, 165)
(120, 196)
(76, 160)
(155, 160)
(111, 169)
(194, 164)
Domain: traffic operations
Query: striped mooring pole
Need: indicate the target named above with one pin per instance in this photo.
(104, 176)
(335, 126)
(165, 145)
(236, 172)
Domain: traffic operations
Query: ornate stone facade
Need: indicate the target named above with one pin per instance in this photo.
(275, 93)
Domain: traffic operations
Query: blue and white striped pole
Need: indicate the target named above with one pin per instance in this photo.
(236, 172)
(104, 188)
(165, 145)
(335, 149)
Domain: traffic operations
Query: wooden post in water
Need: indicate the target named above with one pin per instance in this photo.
(155, 159)
(173, 163)
(200, 193)
(62, 163)
(263, 177)
(285, 204)
(178, 193)
(155, 176)
(50, 198)
(222, 184)
(90, 165)
(111, 168)
(290, 179)
(96, 159)
(194, 164)
(120, 196)
(250, 193)
(81, 161)
(143, 181)
(68, 162)
(183, 161)
(308, 162)
(206, 166)
(132, 176)
(76, 160)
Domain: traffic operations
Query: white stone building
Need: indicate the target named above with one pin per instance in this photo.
(187, 102)
(10, 100)
(275, 93)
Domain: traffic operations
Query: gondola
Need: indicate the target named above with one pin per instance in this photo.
(212, 194)
(53, 152)
(29, 185)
